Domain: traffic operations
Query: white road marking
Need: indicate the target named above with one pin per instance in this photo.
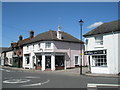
(36, 84)
(31, 77)
(95, 85)
(46, 82)
(14, 81)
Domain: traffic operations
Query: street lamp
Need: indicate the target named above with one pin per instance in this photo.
(81, 22)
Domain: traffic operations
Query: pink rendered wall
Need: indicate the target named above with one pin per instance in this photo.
(71, 49)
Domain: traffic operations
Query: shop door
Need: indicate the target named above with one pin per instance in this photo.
(48, 62)
(39, 62)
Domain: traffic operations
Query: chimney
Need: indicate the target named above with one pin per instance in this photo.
(12, 44)
(59, 33)
(31, 34)
(20, 37)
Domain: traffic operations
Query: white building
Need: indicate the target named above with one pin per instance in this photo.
(6, 57)
(52, 50)
(102, 47)
(2, 55)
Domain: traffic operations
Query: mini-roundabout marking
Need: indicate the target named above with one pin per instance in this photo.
(15, 81)
(36, 84)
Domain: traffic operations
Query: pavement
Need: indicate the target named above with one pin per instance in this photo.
(73, 71)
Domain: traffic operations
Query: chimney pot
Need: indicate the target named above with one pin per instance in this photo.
(31, 33)
(20, 37)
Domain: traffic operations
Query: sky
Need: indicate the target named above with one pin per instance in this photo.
(18, 18)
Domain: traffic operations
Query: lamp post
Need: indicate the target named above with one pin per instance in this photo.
(81, 22)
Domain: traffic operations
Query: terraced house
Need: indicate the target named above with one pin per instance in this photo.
(13, 56)
(52, 50)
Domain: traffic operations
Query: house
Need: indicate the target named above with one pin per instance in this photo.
(18, 50)
(102, 48)
(13, 56)
(52, 50)
(1, 56)
(7, 56)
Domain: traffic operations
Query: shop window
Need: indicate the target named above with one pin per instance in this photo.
(76, 60)
(27, 60)
(59, 61)
(48, 45)
(10, 60)
(99, 40)
(99, 60)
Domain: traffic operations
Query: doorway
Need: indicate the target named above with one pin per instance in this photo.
(89, 63)
(38, 62)
(48, 62)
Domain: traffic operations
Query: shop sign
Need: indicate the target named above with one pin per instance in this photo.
(95, 52)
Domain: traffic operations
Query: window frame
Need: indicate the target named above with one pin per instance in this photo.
(98, 61)
(99, 40)
(77, 60)
(27, 59)
(47, 45)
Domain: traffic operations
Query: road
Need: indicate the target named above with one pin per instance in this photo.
(14, 78)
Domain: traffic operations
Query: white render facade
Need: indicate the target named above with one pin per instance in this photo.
(8, 60)
(51, 50)
(107, 62)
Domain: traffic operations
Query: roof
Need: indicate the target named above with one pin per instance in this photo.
(2, 49)
(52, 36)
(7, 49)
(105, 28)
(21, 42)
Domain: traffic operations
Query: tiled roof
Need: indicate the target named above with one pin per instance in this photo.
(105, 28)
(52, 36)
(7, 50)
(21, 42)
(2, 49)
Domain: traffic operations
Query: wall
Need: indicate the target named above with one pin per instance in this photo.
(111, 43)
(119, 52)
(72, 50)
(9, 56)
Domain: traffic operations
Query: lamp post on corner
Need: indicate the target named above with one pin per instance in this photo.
(81, 22)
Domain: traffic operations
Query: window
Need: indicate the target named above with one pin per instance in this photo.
(27, 60)
(99, 60)
(76, 60)
(59, 61)
(48, 45)
(86, 41)
(39, 46)
(39, 60)
(99, 40)
(10, 60)
(27, 48)
(33, 47)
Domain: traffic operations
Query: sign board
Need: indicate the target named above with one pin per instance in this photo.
(95, 52)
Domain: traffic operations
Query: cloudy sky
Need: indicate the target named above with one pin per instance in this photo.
(19, 18)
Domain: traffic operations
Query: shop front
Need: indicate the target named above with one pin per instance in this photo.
(97, 61)
(50, 61)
